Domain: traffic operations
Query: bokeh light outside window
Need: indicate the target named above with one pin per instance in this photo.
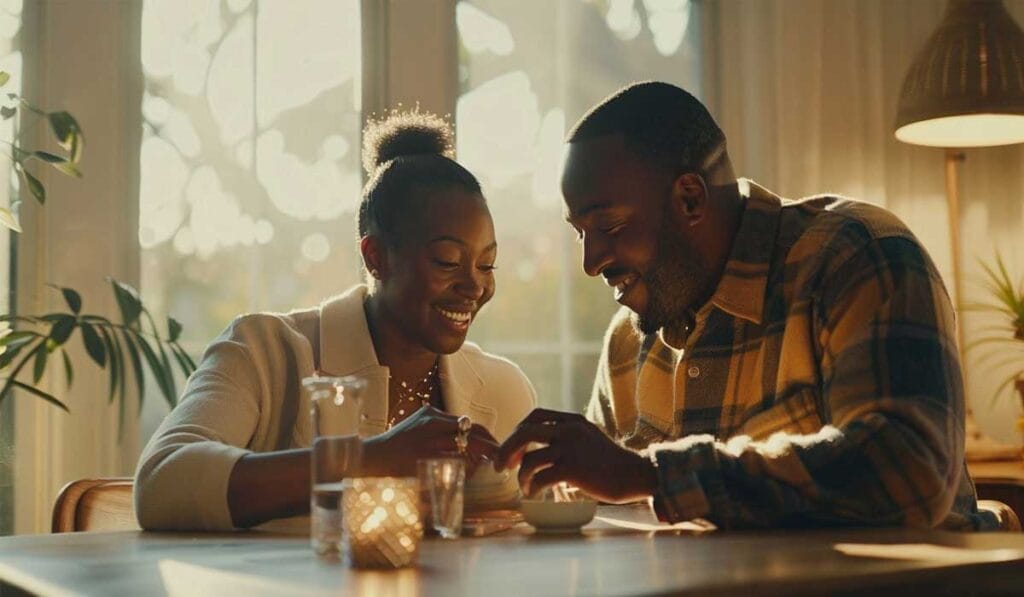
(250, 172)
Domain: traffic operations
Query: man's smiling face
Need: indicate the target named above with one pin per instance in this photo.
(621, 208)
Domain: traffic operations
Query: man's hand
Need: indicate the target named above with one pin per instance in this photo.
(578, 453)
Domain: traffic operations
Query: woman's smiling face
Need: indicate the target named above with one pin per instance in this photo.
(443, 272)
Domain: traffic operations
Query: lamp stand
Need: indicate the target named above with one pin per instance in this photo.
(954, 158)
(977, 445)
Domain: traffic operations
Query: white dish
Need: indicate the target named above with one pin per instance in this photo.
(558, 517)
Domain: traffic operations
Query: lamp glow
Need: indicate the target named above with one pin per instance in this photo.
(968, 130)
(965, 88)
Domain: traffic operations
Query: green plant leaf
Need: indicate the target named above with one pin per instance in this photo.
(62, 329)
(122, 366)
(173, 329)
(62, 164)
(48, 157)
(93, 344)
(69, 168)
(127, 301)
(69, 371)
(164, 361)
(188, 359)
(184, 362)
(18, 337)
(21, 318)
(999, 391)
(40, 365)
(34, 186)
(117, 376)
(9, 354)
(114, 359)
(9, 220)
(71, 297)
(168, 370)
(1016, 360)
(14, 347)
(39, 393)
(158, 371)
(69, 134)
(10, 381)
(140, 375)
(4, 77)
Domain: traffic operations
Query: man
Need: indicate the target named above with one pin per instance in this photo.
(775, 363)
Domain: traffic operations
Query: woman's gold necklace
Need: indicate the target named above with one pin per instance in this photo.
(412, 398)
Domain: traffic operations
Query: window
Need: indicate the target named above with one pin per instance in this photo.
(526, 75)
(250, 157)
(250, 171)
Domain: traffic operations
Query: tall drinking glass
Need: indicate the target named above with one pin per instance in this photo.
(442, 483)
(336, 452)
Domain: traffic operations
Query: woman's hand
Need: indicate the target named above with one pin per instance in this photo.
(427, 433)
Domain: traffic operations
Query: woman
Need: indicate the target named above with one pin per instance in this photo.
(234, 452)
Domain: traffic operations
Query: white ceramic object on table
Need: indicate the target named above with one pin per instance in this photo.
(558, 517)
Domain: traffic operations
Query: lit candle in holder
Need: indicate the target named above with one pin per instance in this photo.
(382, 527)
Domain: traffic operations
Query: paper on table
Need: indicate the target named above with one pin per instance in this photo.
(689, 526)
(939, 554)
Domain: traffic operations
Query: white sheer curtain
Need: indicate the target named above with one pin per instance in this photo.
(806, 92)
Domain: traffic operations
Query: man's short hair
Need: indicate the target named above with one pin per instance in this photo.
(659, 121)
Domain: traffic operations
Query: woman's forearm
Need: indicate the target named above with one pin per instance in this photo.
(270, 485)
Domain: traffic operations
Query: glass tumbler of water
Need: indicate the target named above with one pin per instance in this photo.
(335, 455)
(442, 483)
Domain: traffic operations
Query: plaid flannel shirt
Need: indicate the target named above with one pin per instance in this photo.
(820, 385)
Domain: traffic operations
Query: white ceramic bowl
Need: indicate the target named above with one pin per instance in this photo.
(557, 517)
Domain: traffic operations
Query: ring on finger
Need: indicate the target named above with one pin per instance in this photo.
(463, 426)
(461, 442)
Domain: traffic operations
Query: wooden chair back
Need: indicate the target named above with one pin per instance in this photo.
(1006, 491)
(95, 505)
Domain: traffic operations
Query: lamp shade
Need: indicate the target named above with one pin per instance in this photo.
(966, 85)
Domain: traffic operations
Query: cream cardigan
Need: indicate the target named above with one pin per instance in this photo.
(246, 396)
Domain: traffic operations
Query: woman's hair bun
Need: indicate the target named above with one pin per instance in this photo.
(405, 133)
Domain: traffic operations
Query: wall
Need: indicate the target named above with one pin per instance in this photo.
(806, 92)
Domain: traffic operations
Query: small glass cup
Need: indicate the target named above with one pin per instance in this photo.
(335, 455)
(442, 484)
(382, 527)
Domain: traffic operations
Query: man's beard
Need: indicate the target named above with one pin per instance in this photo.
(675, 282)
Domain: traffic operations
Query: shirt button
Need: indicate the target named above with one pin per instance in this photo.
(693, 371)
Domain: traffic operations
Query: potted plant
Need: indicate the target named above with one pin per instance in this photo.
(30, 343)
(1005, 339)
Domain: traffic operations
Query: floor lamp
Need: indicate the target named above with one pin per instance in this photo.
(965, 88)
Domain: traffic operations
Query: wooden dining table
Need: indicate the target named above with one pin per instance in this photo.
(622, 552)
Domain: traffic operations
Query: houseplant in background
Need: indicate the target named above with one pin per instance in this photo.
(131, 344)
(1004, 342)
